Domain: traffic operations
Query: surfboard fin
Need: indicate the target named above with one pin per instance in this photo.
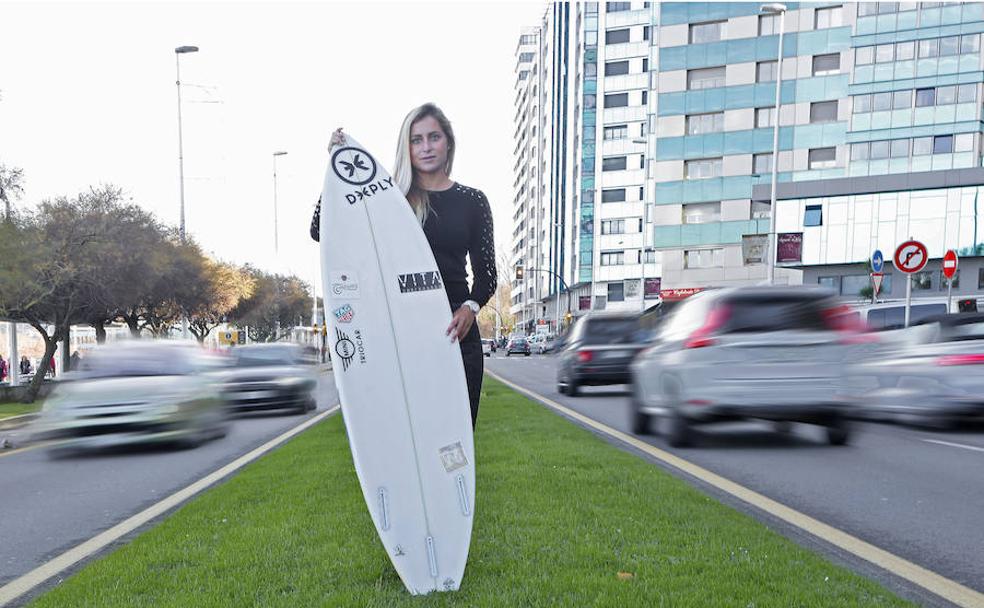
(463, 496)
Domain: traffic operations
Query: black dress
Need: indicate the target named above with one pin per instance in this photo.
(460, 224)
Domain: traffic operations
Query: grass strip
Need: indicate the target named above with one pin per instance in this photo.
(562, 519)
(9, 410)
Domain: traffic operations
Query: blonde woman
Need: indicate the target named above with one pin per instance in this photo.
(457, 222)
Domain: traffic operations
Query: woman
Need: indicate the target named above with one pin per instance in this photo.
(25, 365)
(3, 369)
(456, 220)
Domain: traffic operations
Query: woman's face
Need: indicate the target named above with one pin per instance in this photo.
(428, 146)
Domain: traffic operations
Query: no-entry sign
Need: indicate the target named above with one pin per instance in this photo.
(950, 264)
(911, 256)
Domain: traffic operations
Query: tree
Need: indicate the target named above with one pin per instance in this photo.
(216, 290)
(276, 302)
(11, 186)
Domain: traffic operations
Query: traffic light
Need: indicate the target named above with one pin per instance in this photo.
(519, 272)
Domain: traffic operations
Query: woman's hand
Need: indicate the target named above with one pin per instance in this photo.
(337, 139)
(461, 322)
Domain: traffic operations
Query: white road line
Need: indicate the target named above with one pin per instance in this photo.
(948, 589)
(25, 583)
(955, 445)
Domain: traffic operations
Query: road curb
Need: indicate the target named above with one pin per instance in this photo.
(9, 424)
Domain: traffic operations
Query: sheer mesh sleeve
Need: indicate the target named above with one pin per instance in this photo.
(481, 250)
(316, 222)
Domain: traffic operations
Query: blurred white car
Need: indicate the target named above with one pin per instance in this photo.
(772, 353)
(487, 348)
(933, 374)
(139, 392)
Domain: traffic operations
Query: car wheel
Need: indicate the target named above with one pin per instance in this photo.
(678, 434)
(782, 426)
(838, 432)
(573, 389)
(641, 422)
(507, 353)
(527, 354)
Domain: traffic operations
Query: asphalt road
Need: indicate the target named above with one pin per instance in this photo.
(895, 487)
(49, 506)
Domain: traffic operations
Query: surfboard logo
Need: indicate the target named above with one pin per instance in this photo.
(453, 457)
(344, 314)
(420, 281)
(347, 348)
(344, 285)
(353, 165)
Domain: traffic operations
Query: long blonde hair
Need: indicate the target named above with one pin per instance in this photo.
(406, 178)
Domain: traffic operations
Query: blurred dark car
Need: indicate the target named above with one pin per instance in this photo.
(146, 392)
(519, 346)
(597, 351)
(267, 377)
(767, 353)
(933, 374)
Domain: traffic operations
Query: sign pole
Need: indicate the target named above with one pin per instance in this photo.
(949, 295)
(908, 297)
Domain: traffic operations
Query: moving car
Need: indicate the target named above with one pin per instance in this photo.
(520, 346)
(146, 392)
(598, 350)
(933, 375)
(487, 347)
(270, 377)
(542, 344)
(770, 353)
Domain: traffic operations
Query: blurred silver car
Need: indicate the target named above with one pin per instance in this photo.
(772, 353)
(932, 374)
(270, 377)
(142, 392)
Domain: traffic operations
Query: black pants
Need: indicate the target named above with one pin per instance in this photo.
(474, 360)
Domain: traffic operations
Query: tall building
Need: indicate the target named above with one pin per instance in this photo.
(879, 140)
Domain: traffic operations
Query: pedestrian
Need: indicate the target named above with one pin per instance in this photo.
(25, 365)
(457, 221)
(51, 366)
(3, 369)
(73, 362)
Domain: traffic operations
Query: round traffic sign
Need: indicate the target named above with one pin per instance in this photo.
(911, 256)
(877, 261)
(950, 264)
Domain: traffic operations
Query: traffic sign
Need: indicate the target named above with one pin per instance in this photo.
(876, 283)
(950, 264)
(911, 256)
(877, 261)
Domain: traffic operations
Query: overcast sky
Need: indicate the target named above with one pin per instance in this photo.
(87, 96)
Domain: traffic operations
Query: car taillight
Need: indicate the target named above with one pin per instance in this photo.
(976, 359)
(848, 323)
(584, 356)
(702, 337)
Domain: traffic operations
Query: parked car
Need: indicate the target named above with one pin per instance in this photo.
(542, 344)
(597, 351)
(770, 353)
(268, 377)
(932, 375)
(519, 346)
(146, 392)
(487, 347)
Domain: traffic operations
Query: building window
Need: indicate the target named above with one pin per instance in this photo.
(762, 163)
(905, 50)
(823, 158)
(921, 146)
(703, 168)
(615, 195)
(617, 100)
(862, 104)
(645, 97)
(830, 283)
(813, 216)
(881, 102)
(852, 284)
(703, 258)
(864, 55)
(900, 148)
(649, 256)
(616, 36)
(613, 227)
(765, 71)
(616, 68)
(615, 7)
(879, 150)
(753, 248)
(825, 65)
(859, 151)
(823, 111)
(967, 93)
(970, 43)
(701, 213)
(963, 142)
(613, 163)
(761, 210)
(616, 291)
(616, 132)
(949, 46)
(765, 117)
(828, 17)
(768, 25)
(922, 280)
(946, 96)
(901, 100)
(698, 124)
(929, 48)
(707, 32)
(943, 280)
(942, 144)
(705, 78)
(885, 53)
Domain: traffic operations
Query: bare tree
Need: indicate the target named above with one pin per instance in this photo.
(11, 186)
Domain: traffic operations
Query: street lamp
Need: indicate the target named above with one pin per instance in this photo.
(775, 9)
(276, 233)
(178, 52)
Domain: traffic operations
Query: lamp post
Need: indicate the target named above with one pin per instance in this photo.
(780, 10)
(178, 52)
(276, 232)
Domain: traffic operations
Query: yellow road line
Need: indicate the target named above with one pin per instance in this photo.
(927, 579)
(25, 583)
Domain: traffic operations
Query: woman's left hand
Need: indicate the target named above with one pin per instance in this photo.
(461, 322)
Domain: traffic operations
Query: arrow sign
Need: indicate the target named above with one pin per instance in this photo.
(877, 261)
(911, 256)
(950, 264)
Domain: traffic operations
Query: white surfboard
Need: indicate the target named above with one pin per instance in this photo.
(400, 379)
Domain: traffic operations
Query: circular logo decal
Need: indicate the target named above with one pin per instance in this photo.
(353, 165)
(345, 348)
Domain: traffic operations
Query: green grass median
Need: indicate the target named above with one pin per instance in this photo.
(9, 410)
(562, 519)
